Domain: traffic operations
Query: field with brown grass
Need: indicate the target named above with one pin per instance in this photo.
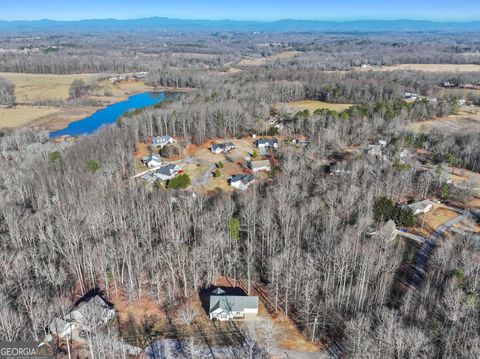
(260, 61)
(437, 216)
(30, 88)
(313, 105)
(426, 68)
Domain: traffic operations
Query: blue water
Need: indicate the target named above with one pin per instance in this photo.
(110, 114)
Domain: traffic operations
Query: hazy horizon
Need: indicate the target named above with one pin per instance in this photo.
(247, 10)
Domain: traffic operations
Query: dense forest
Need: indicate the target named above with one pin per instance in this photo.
(66, 227)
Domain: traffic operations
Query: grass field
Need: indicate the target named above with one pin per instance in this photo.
(22, 115)
(427, 67)
(468, 118)
(313, 105)
(31, 87)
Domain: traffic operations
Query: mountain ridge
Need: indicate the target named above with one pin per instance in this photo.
(283, 25)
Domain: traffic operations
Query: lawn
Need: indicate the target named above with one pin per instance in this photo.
(438, 216)
(313, 105)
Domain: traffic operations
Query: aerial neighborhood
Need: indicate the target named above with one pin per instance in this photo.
(217, 189)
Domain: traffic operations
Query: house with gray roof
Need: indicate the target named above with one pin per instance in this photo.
(261, 165)
(421, 207)
(162, 141)
(167, 172)
(242, 181)
(227, 307)
(91, 312)
(263, 143)
(222, 147)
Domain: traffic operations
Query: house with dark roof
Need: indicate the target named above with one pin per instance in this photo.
(242, 181)
(263, 143)
(167, 172)
(222, 147)
(227, 307)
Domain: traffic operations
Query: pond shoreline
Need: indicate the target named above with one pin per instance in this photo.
(110, 114)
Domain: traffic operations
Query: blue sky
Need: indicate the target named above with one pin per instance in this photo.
(241, 9)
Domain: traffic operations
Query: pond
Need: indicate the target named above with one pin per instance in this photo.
(110, 114)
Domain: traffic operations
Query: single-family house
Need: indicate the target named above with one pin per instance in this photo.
(61, 327)
(167, 172)
(222, 147)
(140, 76)
(162, 141)
(242, 181)
(89, 313)
(227, 307)
(152, 160)
(335, 169)
(410, 96)
(267, 143)
(261, 165)
(421, 207)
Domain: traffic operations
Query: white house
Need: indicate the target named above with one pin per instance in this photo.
(421, 207)
(222, 147)
(162, 141)
(227, 307)
(242, 181)
(152, 160)
(167, 172)
(262, 165)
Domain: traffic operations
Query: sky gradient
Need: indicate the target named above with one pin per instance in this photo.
(266, 10)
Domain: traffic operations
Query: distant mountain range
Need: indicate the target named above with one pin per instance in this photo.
(167, 24)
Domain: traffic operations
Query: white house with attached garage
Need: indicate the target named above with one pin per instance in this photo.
(227, 307)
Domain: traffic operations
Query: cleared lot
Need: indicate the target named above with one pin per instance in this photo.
(313, 105)
(260, 61)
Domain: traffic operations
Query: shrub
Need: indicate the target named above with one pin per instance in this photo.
(54, 157)
(179, 182)
(234, 228)
(93, 166)
(220, 164)
(385, 209)
(272, 131)
(216, 173)
(254, 154)
(169, 151)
